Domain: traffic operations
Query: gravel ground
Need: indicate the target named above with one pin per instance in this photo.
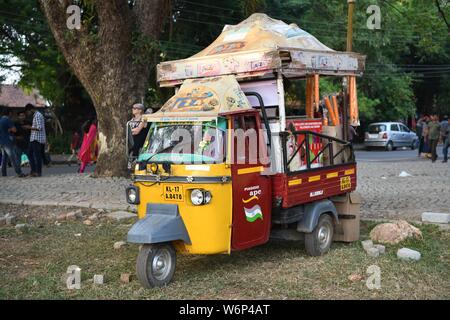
(385, 194)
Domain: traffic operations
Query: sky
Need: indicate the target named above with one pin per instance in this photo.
(12, 77)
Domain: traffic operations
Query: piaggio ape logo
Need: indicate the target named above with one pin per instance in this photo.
(254, 213)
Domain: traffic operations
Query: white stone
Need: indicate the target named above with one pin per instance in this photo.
(367, 244)
(381, 249)
(10, 219)
(21, 227)
(99, 279)
(121, 215)
(436, 217)
(408, 254)
(373, 252)
(119, 244)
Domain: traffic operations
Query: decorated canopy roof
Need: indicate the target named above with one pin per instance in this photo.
(260, 46)
(206, 97)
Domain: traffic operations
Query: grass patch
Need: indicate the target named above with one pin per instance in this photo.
(32, 264)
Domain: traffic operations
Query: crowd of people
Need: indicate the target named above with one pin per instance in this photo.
(23, 140)
(25, 137)
(430, 132)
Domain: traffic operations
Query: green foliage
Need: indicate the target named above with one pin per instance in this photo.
(60, 143)
(407, 66)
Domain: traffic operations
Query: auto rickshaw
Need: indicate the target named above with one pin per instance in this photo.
(224, 168)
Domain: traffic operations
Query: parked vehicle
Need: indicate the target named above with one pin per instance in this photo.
(223, 168)
(390, 135)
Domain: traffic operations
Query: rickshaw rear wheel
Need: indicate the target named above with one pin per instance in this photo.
(319, 241)
(155, 264)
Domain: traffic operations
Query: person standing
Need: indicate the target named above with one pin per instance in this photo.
(444, 130)
(351, 134)
(419, 131)
(74, 145)
(22, 136)
(433, 134)
(38, 139)
(138, 128)
(88, 151)
(425, 130)
(447, 142)
(7, 146)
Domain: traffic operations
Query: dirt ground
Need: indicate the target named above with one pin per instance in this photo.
(32, 264)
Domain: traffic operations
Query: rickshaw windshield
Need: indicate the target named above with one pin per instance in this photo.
(185, 142)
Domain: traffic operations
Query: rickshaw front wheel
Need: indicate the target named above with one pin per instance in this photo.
(155, 264)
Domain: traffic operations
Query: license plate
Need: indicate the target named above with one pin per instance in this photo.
(346, 183)
(173, 193)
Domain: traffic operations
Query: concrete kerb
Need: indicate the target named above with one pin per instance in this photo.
(81, 204)
(16, 202)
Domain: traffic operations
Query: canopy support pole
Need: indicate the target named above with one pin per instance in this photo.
(281, 105)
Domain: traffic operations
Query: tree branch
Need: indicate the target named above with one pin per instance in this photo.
(73, 43)
(442, 14)
(150, 16)
(114, 20)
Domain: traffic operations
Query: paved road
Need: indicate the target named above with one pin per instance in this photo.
(58, 169)
(403, 154)
(385, 194)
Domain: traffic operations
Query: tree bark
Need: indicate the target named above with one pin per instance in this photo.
(112, 67)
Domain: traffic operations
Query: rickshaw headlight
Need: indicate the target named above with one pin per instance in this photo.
(132, 195)
(199, 197)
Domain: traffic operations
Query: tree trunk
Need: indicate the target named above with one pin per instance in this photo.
(111, 64)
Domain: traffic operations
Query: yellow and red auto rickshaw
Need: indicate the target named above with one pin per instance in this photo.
(224, 167)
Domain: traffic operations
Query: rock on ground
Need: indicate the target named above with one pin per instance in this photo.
(381, 249)
(10, 219)
(78, 214)
(373, 252)
(125, 278)
(408, 254)
(355, 277)
(21, 227)
(435, 217)
(99, 279)
(394, 233)
(367, 244)
(119, 244)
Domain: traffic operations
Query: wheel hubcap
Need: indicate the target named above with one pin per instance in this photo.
(161, 264)
(323, 236)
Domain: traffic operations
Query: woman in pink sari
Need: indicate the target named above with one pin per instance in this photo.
(88, 150)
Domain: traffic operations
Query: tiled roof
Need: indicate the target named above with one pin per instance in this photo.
(14, 97)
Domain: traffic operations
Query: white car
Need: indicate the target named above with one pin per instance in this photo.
(390, 135)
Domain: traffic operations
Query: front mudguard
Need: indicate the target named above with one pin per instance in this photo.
(162, 223)
(313, 211)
